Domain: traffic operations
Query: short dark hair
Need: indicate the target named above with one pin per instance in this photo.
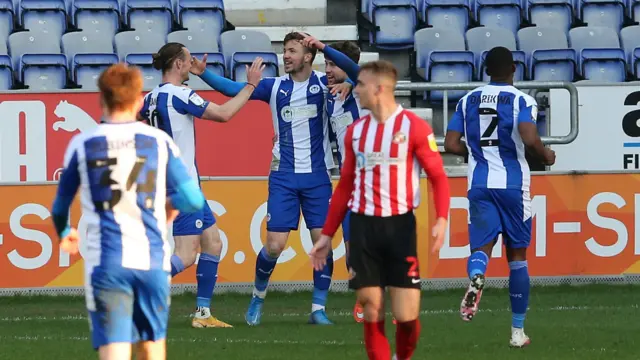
(348, 48)
(165, 57)
(381, 67)
(499, 62)
(294, 35)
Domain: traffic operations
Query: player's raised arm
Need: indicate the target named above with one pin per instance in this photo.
(340, 59)
(67, 188)
(185, 193)
(528, 129)
(261, 89)
(455, 130)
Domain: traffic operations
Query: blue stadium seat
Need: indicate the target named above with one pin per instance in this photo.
(29, 42)
(499, 13)
(630, 39)
(6, 75)
(6, 23)
(85, 42)
(48, 16)
(449, 14)
(634, 9)
(151, 76)
(196, 42)
(150, 15)
(609, 13)
(43, 71)
(101, 16)
(87, 68)
(548, 55)
(239, 61)
(551, 13)
(205, 16)
(599, 54)
(242, 41)
(482, 39)
(397, 20)
(442, 55)
(137, 42)
(215, 63)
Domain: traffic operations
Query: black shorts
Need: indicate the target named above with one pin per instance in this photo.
(383, 252)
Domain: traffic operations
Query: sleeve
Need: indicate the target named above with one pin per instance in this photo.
(343, 62)
(342, 194)
(426, 151)
(194, 105)
(67, 188)
(232, 88)
(457, 120)
(187, 196)
(528, 110)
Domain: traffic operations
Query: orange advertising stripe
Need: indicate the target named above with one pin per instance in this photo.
(583, 225)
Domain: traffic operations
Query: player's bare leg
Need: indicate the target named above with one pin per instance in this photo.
(265, 264)
(375, 340)
(321, 285)
(405, 307)
(115, 351)
(476, 267)
(151, 350)
(207, 275)
(519, 285)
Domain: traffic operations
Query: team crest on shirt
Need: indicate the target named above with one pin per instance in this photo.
(399, 138)
(314, 89)
(432, 143)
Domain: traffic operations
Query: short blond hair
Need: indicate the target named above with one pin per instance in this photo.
(381, 68)
(120, 87)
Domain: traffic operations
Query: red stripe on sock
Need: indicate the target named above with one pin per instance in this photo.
(375, 341)
(407, 334)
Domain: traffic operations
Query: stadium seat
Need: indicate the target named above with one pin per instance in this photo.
(482, 39)
(137, 42)
(239, 61)
(630, 39)
(151, 76)
(6, 74)
(6, 23)
(599, 54)
(29, 42)
(243, 41)
(83, 42)
(442, 55)
(215, 63)
(101, 16)
(548, 54)
(86, 68)
(449, 14)
(634, 9)
(154, 16)
(196, 42)
(41, 72)
(204, 16)
(609, 13)
(499, 13)
(48, 16)
(397, 20)
(551, 13)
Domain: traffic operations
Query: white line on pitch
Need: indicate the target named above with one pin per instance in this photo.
(566, 227)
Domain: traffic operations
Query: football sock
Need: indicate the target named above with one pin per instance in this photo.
(477, 263)
(519, 292)
(264, 268)
(177, 266)
(206, 276)
(407, 334)
(375, 341)
(321, 284)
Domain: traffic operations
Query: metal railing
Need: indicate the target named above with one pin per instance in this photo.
(525, 85)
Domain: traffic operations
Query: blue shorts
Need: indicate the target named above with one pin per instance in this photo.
(346, 235)
(127, 305)
(194, 223)
(290, 192)
(495, 211)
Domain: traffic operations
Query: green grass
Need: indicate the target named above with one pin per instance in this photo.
(590, 322)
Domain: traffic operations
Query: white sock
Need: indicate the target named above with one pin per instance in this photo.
(316, 307)
(260, 294)
(203, 312)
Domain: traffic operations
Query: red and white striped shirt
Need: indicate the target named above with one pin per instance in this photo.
(381, 171)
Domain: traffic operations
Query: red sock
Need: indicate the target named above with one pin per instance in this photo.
(375, 341)
(407, 334)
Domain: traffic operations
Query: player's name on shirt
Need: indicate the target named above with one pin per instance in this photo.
(128, 144)
(506, 99)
